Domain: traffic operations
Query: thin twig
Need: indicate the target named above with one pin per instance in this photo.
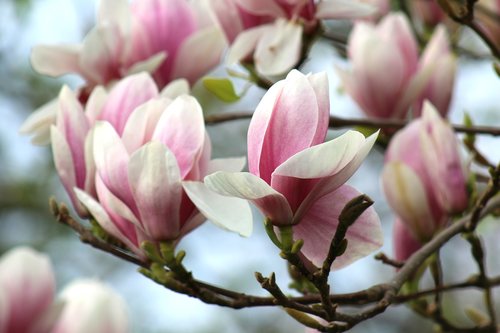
(337, 122)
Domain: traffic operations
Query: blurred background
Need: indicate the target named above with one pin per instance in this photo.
(27, 180)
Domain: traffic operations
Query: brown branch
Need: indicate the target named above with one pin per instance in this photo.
(337, 122)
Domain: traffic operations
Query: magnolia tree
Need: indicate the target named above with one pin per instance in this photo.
(132, 151)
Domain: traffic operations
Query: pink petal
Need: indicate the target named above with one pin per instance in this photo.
(128, 94)
(447, 179)
(161, 26)
(199, 53)
(141, 123)
(228, 17)
(182, 129)
(111, 160)
(247, 186)
(73, 125)
(112, 223)
(156, 185)
(319, 224)
(63, 161)
(404, 242)
(335, 162)
(285, 122)
(407, 196)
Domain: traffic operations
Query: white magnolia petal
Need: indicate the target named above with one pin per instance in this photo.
(244, 45)
(149, 65)
(175, 89)
(233, 214)
(56, 60)
(278, 51)
(247, 186)
(38, 123)
(155, 182)
(407, 196)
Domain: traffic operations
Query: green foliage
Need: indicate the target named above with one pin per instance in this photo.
(222, 88)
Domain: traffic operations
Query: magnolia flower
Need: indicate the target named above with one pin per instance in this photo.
(272, 30)
(297, 180)
(71, 142)
(387, 77)
(90, 306)
(426, 184)
(140, 169)
(27, 286)
(165, 37)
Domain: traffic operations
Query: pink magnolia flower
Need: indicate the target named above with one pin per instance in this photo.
(426, 184)
(296, 179)
(90, 306)
(168, 38)
(140, 169)
(387, 77)
(71, 142)
(27, 286)
(272, 30)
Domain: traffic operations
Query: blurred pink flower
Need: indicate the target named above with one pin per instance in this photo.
(387, 77)
(27, 305)
(272, 30)
(27, 287)
(90, 306)
(424, 185)
(296, 179)
(168, 38)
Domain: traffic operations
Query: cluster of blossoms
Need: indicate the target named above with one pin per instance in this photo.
(133, 153)
(27, 303)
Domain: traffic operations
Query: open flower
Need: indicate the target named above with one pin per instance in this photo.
(426, 184)
(71, 139)
(141, 167)
(297, 180)
(387, 77)
(273, 30)
(165, 37)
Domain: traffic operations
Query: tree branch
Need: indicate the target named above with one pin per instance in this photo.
(337, 122)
